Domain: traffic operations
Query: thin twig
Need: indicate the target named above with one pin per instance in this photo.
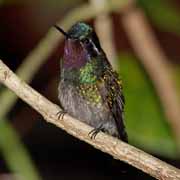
(156, 64)
(44, 49)
(104, 142)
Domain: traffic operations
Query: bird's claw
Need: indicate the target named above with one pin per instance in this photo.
(61, 114)
(92, 134)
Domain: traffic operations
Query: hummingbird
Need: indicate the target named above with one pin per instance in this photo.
(89, 89)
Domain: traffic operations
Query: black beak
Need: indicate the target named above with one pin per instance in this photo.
(62, 31)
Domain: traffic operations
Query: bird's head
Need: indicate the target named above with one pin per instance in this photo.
(81, 45)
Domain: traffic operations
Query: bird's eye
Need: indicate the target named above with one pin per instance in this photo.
(86, 41)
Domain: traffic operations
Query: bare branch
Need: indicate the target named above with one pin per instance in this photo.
(116, 148)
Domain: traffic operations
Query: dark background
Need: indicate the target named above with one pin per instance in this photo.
(56, 154)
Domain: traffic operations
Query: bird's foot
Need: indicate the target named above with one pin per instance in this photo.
(61, 114)
(92, 134)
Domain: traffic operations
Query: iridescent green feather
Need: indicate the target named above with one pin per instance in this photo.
(81, 31)
(87, 73)
(91, 93)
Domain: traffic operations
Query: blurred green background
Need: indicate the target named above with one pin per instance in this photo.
(32, 149)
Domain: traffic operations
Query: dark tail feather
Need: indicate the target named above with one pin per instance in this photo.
(121, 130)
(123, 135)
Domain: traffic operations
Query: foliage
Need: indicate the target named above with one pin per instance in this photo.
(146, 124)
(15, 154)
(163, 14)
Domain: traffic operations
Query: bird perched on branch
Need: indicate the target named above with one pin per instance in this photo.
(89, 89)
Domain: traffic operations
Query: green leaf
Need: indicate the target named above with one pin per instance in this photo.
(146, 124)
(15, 154)
(163, 14)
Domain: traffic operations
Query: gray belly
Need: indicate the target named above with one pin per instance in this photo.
(94, 115)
